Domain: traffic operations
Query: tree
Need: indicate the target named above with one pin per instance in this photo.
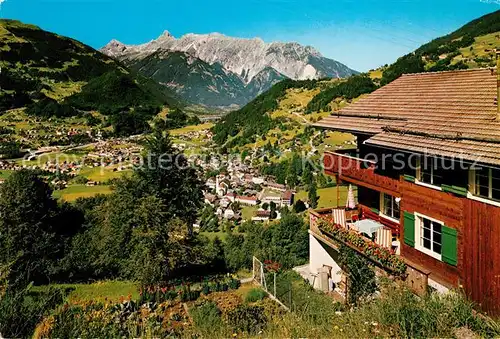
(307, 175)
(150, 261)
(10, 149)
(29, 234)
(168, 175)
(235, 254)
(272, 209)
(299, 206)
(129, 123)
(313, 195)
(289, 241)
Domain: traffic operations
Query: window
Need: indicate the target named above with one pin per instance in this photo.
(390, 206)
(429, 172)
(430, 234)
(487, 183)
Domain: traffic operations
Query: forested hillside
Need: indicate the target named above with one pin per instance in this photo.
(55, 75)
(256, 119)
(471, 46)
(252, 119)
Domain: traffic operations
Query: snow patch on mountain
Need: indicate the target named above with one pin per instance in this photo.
(243, 57)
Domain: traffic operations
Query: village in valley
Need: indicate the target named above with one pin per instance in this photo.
(236, 194)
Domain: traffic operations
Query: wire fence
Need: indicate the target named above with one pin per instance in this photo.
(293, 293)
(276, 289)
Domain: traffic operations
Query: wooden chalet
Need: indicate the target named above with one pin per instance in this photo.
(427, 168)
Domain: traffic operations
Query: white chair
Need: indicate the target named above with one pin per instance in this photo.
(384, 237)
(339, 217)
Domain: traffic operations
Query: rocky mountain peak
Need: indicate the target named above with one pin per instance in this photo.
(166, 35)
(244, 57)
(240, 67)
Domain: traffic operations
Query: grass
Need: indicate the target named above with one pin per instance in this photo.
(60, 90)
(248, 212)
(377, 73)
(4, 174)
(244, 273)
(102, 174)
(328, 196)
(99, 291)
(192, 128)
(71, 193)
(483, 47)
(212, 235)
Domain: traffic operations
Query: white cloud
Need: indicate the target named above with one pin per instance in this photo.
(492, 2)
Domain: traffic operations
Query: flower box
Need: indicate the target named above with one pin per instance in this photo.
(382, 256)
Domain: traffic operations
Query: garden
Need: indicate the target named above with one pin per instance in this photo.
(215, 305)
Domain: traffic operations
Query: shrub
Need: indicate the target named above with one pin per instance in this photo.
(21, 310)
(234, 284)
(189, 295)
(206, 289)
(247, 319)
(255, 294)
(435, 315)
(207, 319)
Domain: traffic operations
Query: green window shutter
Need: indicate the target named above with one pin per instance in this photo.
(450, 246)
(409, 178)
(460, 191)
(409, 229)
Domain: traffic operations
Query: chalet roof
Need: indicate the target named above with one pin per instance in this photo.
(450, 113)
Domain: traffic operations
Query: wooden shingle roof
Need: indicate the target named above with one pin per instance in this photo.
(450, 113)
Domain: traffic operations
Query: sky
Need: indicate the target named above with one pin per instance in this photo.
(362, 34)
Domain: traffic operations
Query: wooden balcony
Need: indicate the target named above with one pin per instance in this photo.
(360, 172)
(323, 228)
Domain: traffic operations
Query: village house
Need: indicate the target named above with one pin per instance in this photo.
(252, 201)
(225, 202)
(231, 196)
(427, 168)
(276, 186)
(211, 183)
(258, 180)
(221, 186)
(229, 214)
(210, 199)
(261, 215)
(270, 197)
(286, 199)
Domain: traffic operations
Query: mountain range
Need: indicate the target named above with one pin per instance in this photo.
(220, 71)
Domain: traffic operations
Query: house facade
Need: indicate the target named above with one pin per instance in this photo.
(427, 168)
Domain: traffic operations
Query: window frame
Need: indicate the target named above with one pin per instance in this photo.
(419, 226)
(382, 207)
(419, 174)
(473, 186)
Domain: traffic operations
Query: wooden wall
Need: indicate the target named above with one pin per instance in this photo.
(441, 206)
(481, 240)
(478, 226)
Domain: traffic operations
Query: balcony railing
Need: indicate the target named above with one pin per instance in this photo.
(322, 225)
(359, 172)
